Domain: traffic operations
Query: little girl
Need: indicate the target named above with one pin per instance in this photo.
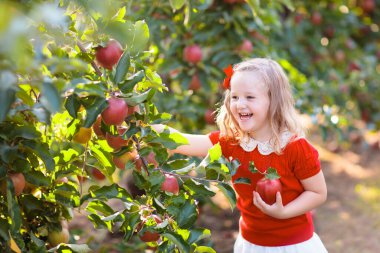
(258, 122)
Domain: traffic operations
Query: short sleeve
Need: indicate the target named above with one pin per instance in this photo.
(306, 161)
(214, 137)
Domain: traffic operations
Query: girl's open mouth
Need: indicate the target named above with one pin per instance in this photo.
(245, 116)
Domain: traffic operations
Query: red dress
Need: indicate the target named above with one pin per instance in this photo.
(298, 161)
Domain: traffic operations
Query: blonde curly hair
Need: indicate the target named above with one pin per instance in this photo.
(282, 113)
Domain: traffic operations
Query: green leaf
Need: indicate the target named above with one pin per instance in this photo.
(50, 97)
(77, 248)
(7, 97)
(132, 218)
(252, 168)
(177, 240)
(26, 132)
(271, 173)
(93, 110)
(100, 156)
(129, 84)
(31, 204)
(99, 206)
(8, 84)
(187, 215)
(185, 169)
(141, 36)
(140, 98)
(156, 178)
(72, 105)
(153, 80)
(122, 68)
(25, 97)
(39, 243)
(215, 152)
(42, 151)
(198, 189)
(177, 4)
(110, 192)
(242, 180)
(37, 178)
(13, 208)
(170, 140)
(198, 234)
(66, 194)
(4, 228)
(229, 193)
(204, 249)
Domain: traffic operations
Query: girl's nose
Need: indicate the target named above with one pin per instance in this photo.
(240, 104)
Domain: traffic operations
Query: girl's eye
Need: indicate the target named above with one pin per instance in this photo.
(250, 97)
(234, 97)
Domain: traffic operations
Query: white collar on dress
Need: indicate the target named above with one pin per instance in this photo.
(264, 148)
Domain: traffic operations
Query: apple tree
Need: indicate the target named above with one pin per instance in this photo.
(76, 107)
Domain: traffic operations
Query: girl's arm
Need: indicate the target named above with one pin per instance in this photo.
(198, 144)
(314, 195)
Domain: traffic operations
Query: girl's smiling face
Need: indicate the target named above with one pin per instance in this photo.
(249, 104)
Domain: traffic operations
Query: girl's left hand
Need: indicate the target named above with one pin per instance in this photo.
(276, 210)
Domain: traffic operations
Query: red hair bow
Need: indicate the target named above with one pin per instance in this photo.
(228, 71)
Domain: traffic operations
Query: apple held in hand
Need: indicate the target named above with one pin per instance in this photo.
(116, 111)
(170, 184)
(109, 55)
(268, 188)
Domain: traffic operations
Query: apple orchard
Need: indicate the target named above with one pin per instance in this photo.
(82, 83)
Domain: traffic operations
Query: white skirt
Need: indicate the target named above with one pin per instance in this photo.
(313, 245)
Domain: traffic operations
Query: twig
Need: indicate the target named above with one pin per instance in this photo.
(96, 68)
(143, 160)
(188, 176)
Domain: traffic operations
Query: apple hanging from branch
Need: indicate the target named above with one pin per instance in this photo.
(116, 111)
(109, 55)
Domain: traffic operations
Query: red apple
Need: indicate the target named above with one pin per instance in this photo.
(170, 184)
(267, 188)
(316, 18)
(109, 55)
(116, 111)
(149, 236)
(150, 160)
(192, 54)
(298, 18)
(97, 128)
(246, 46)
(121, 161)
(368, 6)
(18, 180)
(97, 174)
(195, 83)
(209, 117)
(353, 66)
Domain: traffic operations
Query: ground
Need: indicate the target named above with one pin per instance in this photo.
(347, 223)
